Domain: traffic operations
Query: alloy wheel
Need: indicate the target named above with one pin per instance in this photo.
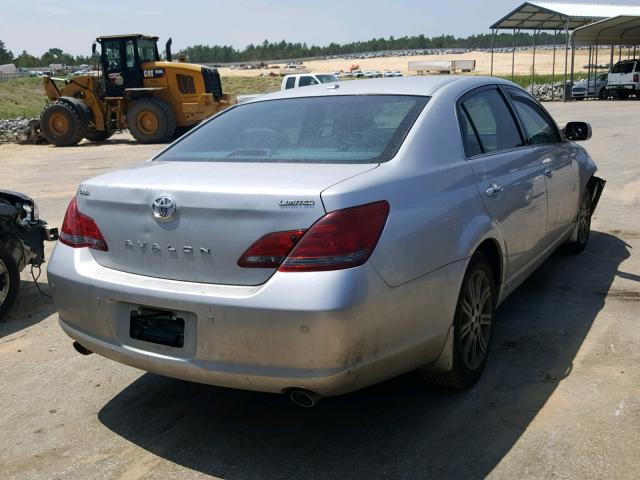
(476, 316)
(584, 219)
(4, 282)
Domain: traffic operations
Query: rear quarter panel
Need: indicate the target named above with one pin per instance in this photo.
(436, 215)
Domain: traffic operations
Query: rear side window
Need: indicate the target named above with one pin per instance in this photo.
(538, 128)
(469, 136)
(491, 121)
(326, 129)
(291, 82)
(306, 81)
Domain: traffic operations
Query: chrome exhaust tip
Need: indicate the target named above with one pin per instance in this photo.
(304, 398)
(81, 350)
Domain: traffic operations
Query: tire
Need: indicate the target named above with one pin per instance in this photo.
(61, 125)
(620, 94)
(180, 131)
(97, 135)
(583, 225)
(151, 121)
(9, 281)
(602, 94)
(472, 327)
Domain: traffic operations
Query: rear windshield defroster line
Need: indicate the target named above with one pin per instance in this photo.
(333, 129)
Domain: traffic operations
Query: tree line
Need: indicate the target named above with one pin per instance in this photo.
(287, 50)
(53, 55)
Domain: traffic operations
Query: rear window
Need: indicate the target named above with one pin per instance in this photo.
(335, 129)
(623, 67)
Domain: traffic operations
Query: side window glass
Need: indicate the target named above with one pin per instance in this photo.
(615, 69)
(291, 82)
(469, 137)
(131, 55)
(537, 126)
(112, 55)
(492, 121)
(305, 81)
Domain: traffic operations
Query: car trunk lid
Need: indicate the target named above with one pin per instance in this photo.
(221, 209)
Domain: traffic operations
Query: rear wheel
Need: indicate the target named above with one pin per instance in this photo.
(583, 225)
(61, 125)
(472, 327)
(9, 280)
(621, 94)
(602, 94)
(151, 120)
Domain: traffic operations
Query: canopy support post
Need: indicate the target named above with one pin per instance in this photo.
(513, 55)
(553, 65)
(566, 60)
(611, 59)
(590, 62)
(493, 41)
(533, 64)
(573, 61)
(595, 76)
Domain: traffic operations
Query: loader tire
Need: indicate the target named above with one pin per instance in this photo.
(151, 121)
(97, 135)
(61, 125)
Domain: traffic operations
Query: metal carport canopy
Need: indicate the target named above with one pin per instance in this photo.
(621, 30)
(560, 16)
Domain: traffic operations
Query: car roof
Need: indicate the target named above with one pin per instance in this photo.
(426, 86)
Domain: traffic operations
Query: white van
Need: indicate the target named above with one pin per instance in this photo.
(306, 79)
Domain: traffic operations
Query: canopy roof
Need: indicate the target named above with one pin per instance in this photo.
(557, 16)
(621, 30)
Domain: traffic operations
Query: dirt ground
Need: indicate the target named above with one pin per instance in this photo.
(501, 63)
(560, 397)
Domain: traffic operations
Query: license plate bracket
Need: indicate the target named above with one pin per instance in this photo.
(161, 327)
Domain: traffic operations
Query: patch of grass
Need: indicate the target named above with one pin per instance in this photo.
(22, 97)
(525, 80)
(248, 85)
(25, 97)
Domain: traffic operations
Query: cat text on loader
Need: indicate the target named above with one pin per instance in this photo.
(154, 99)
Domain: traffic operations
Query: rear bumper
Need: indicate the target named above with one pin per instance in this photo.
(328, 332)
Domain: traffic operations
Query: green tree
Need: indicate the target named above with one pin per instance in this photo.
(25, 60)
(5, 55)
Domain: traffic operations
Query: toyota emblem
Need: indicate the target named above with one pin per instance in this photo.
(164, 208)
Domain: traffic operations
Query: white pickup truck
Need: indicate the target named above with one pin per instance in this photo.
(624, 79)
(306, 79)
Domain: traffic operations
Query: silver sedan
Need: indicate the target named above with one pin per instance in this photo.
(319, 240)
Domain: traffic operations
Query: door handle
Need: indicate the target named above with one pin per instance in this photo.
(548, 172)
(493, 190)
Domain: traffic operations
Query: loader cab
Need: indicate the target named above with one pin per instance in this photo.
(121, 61)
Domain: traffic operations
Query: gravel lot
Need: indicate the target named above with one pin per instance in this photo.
(560, 397)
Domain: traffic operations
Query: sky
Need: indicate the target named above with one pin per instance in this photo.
(36, 26)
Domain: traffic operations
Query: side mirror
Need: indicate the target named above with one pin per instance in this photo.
(577, 131)
(93, 49)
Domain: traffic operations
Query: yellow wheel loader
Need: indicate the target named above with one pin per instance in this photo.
(133, 89)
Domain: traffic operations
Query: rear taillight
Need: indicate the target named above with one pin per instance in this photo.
(271, 250)
(79, 231)
(341, 239)
(635, 77)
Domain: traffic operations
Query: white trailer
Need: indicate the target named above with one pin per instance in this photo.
(442, 66)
